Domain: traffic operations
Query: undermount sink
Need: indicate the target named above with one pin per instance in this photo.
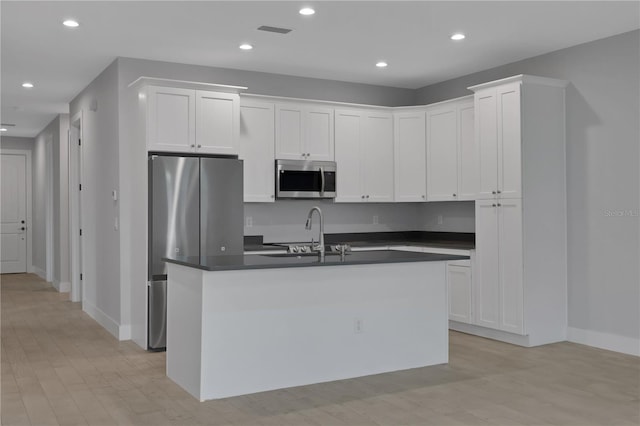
(315, 254)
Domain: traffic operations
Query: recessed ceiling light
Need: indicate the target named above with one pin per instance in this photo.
(246, 46)
(27, 85)
(71, 23)
(381, 64)
(2, 129)
(307, 11)
(458, 36)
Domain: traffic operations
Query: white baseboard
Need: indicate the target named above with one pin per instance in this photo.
(611, 342)
(62, 287)
(39, 272)
(120, 332)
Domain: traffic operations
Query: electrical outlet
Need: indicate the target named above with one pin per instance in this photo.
(439, 219)
(249, 221)
(375, 219)
(358, 326)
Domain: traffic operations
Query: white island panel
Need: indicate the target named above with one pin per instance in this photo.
(265, 329)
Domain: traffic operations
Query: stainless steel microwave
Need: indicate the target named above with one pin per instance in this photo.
(305, 179)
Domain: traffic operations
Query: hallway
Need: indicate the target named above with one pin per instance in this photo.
(60, 367)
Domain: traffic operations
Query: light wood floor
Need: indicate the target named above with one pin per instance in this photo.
(60, 367)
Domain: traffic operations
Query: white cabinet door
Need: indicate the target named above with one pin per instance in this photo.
(467, 153)
(509, 141)
(217, 122)
(348, 134)
(442, 154)
(377, 153)
(459, 281)
(289, 133)
(257, 146)
(304, 132)
(487, 142)
(318, 134)
(171, 119)
(410, 156)
(511, 265)
(486, 269)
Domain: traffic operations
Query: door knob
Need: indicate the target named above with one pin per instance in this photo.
(23, 228)
(22, 221)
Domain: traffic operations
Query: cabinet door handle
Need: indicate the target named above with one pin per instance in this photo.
(423, 197)
(499, 204)
(454, 195)
(199, 146)
(367, 196)
(193, 146)
(363, 197)
(493, 205)
(493, 192)
(499, 192)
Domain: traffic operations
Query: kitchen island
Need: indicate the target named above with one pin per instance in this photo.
(245, 324)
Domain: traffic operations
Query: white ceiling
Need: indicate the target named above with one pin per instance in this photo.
(342, 41)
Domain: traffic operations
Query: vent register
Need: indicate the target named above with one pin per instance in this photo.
(274, 29)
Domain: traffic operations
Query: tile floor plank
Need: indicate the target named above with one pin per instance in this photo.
(58, 366)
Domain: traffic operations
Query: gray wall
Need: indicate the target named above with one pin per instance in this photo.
(268, 84)
(284, 220)
(602, 173)
(12, 142)
(98, 104)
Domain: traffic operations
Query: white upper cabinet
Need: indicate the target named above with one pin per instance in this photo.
(451, 152)
(378, 157)
(498, 113)
(304, 132)
(171, 119)
(442, 153)
(188, 120)
(257, 149)
(410, 156)
(364, 156)
(217, 122)
(467, 152)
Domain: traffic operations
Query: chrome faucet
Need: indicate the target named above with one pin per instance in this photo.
(320, 247)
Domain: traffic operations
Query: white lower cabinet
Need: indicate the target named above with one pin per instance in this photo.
(257, 150)
(498, 278)
(460, 292)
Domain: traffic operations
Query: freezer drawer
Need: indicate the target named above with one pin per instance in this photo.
(157, 321)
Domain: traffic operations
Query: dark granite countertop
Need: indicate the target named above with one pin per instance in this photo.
(450, 240)
(268, 261)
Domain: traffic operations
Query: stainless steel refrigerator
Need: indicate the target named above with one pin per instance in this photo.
(195, 209)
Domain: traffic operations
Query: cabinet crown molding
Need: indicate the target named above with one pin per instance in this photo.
(522, 78)
(183, 84)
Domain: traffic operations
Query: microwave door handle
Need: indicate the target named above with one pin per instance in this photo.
(321, 180)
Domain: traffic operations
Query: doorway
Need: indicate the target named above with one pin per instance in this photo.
(15, 211)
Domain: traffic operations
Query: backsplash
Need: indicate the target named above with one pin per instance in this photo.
(457, 216)
(284, 220)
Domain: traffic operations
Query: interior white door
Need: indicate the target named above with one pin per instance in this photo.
(13, 214)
